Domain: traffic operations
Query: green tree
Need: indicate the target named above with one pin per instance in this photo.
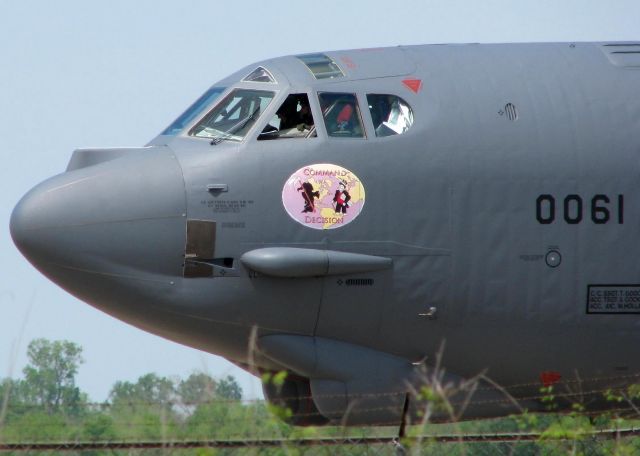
(197, 388)
(99, 427)
(228, 388)
(49, 378)
(200, 388)
(150, 389)
(144, 409)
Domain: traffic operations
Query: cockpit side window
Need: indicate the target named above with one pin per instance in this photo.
(391, 115)
(341, 115)
(234, 116)
(193, 111)
(292, 120)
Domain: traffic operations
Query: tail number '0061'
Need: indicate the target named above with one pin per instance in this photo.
(602, 209)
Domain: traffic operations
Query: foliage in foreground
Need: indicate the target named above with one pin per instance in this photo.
(47, 406)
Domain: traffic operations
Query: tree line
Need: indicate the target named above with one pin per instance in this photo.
(46, 405)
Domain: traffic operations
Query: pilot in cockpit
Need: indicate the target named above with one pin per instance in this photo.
(293, 119)
(303, 117)
(295, 113)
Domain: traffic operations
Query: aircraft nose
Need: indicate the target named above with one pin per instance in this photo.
(125, 216)
(20, 226)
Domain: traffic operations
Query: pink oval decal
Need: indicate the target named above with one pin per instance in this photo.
(323, 196)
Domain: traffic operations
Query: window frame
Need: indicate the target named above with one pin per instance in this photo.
(337, 73)
(402, 99)
(188, 132)
(363, 122)
(187, 125)
(269, 73)
(280, 103)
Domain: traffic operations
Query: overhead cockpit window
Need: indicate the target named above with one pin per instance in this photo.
(193, 111)
(341, 115)
(234, 116)
(260, 74)
(321, 66)
(391, 115)
(292, 120)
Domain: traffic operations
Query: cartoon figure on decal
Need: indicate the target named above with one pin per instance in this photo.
(308, 195)
(341, 198)
(333, 196)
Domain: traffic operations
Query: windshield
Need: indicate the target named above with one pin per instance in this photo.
(193, 111)
(234, 116)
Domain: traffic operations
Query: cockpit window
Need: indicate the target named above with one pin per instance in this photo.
(391, 115)
(341, 115)
(234, 116)
(260, 74)
(193, 111)
(321, 66)
(292, 120)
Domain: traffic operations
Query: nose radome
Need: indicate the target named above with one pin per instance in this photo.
(20, 225)
(122, 215)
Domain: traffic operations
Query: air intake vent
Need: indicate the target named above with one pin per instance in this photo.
(359, 282)
(626, 55)
(511, 112)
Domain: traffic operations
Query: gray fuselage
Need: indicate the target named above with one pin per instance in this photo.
(499, 230)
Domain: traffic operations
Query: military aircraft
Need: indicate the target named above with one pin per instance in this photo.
(375, 221)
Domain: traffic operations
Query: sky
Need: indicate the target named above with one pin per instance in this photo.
(100, 74)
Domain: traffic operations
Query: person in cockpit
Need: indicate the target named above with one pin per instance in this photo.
(295, 113)
(293, 119)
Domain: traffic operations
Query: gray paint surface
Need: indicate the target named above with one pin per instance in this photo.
(450, 205)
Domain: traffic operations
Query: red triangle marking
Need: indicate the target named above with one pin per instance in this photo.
(549, 378)
(413, 84)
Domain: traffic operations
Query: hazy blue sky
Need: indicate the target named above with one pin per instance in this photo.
(82, 73)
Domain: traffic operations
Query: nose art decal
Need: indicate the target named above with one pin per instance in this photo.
(323, 196)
